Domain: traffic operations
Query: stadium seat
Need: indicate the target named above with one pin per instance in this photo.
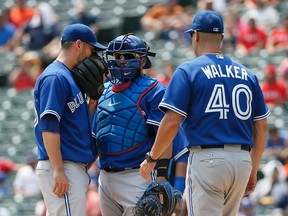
(110, 26)
(132, 12)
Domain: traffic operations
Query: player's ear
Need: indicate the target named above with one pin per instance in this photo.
(78, 44)
(222, 36)
(196, 36)
(143, 60)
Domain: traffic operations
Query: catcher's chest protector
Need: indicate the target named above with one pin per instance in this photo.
(121, 124)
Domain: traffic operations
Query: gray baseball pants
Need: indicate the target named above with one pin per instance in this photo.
(216, 180)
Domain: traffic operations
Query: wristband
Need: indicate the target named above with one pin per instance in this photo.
(148, 158)
(166, 168)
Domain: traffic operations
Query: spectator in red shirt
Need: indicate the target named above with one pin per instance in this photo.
(251, 39)
(278, 38)
(264, 13)
(274, 90)
(7, 165)
(283, 71)
(25, 75)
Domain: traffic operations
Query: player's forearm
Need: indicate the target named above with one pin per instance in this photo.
(181, 168)
(259, 136)
(52, 146)
(92, 104)
(180, 176)
(166, 133)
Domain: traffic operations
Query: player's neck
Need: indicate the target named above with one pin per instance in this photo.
(209, 48)
(215, 53)
(213, 50)
(67, 59)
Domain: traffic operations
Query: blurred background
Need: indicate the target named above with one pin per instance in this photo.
(256, 35)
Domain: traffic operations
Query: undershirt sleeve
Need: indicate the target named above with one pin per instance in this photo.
(50, 123)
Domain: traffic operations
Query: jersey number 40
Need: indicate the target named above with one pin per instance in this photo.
(218, 102)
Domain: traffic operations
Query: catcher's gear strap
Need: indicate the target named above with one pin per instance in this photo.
(129, 112)
(165, 168)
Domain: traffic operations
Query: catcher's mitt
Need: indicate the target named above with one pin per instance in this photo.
(150, 205)
(88, 75)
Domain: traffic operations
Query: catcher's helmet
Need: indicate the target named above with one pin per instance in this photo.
(127, 51)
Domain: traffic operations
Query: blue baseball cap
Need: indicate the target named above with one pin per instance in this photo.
(81, 32)
(207, 21)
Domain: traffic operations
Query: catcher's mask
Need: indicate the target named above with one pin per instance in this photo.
(127, 52)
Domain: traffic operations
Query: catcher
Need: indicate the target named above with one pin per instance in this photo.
(125, 126)
(62, 121)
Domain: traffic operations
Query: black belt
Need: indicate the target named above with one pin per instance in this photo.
(115, 169)
(243, 147)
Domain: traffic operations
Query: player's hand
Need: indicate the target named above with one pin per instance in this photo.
(60, 183)
(251, 184)
(178, 209)
(146, 168)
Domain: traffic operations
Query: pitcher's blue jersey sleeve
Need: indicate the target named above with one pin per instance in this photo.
(177, 99)
(56, 93)
(180, 150)
(219, 99)
(53, 100)
(150, 105)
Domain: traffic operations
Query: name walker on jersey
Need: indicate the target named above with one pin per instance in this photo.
(230, 71)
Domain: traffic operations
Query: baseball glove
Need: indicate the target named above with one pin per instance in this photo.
(88, 75)
(150, 205)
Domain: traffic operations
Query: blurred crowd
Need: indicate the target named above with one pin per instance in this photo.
(253, 28)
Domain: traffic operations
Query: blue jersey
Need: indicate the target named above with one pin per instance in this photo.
(56, 93)
(149, 108)
(180, 150)
(121, 122)
(218, 98)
